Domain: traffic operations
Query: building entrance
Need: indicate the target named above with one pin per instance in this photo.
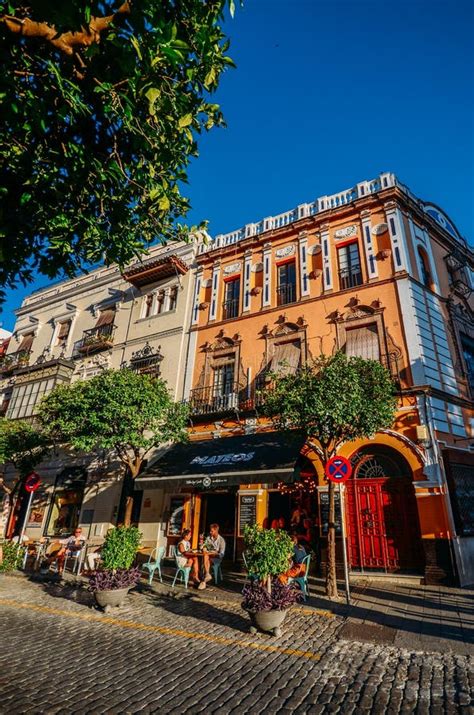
(381, 512)
(219, 508)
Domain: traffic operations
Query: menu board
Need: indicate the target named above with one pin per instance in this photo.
(176, 520)
(247, 511)
(324, 512)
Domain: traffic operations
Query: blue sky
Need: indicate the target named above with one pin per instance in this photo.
(328, 93)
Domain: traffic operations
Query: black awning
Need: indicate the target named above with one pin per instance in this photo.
(259, 458)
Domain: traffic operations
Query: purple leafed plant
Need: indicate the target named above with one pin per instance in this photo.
(257, 598)
(107, 580)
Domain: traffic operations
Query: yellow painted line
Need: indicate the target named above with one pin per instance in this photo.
(190, 635)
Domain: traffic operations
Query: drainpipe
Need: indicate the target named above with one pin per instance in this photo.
(456, 559)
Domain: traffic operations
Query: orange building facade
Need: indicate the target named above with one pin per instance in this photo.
(374, 272)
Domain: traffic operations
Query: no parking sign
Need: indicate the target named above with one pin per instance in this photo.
(338, 469)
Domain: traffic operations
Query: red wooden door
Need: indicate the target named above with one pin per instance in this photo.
(382, 524)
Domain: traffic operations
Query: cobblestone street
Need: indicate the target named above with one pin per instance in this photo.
(190, 655)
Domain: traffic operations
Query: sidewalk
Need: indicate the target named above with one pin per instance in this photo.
(393, 612)
(396, 612)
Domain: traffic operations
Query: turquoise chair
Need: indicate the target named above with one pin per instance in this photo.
(154, 563)
(181, 571)
(217, 573)
(302, 581)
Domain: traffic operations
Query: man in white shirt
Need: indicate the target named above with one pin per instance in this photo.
(216, 543)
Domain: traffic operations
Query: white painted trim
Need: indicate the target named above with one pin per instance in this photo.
(267, 276)
(327, 262)
(246, 287)
(368, 242)
(303, 257)
(215, 291)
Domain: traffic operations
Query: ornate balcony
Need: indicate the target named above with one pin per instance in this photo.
(350, 277)
(96, 339)
(286, 293)
(147, 360)
(213, 401)
(14, 361)
(230, 309)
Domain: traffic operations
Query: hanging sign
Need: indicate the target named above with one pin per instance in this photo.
(338, 469)
(32, 482)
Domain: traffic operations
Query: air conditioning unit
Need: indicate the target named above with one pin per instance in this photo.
(422, 434)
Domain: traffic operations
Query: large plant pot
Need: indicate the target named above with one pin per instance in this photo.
(267, 621)
(111, 599)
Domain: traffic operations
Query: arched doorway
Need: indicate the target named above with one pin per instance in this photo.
(381, 512)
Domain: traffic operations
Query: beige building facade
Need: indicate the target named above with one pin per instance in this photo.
(72, 331)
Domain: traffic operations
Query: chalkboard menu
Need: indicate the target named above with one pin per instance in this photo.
(175, 523)
(324, 511)
(247, 511)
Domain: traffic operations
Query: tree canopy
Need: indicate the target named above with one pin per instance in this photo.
(331, 401)
(117, 410)
(21, 445)
(101, 103)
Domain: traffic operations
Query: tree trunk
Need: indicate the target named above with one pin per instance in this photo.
(127, 519)
(331, 580)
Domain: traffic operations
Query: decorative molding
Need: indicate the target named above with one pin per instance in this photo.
(257, 268)
(232, 268)
(379, 229)
(285, 251)
(315, 249)
(346, 232)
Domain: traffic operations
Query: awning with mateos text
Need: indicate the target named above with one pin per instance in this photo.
(259, 458)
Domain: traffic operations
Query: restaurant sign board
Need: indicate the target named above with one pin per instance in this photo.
(247, 511)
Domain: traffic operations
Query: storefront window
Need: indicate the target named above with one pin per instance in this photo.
(66, 503)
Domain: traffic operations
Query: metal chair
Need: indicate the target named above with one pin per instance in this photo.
(181, 571)
(302, 581)
(77, 557)
(217, 572)
(154, 564)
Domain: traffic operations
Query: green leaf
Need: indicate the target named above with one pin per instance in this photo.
(164, 203)
(185, 121)
(136, 45)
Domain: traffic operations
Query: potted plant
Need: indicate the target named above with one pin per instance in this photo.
(266, 599)
(111, 583)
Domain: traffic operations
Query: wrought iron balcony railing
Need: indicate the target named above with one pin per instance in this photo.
(350, 277)
(286, 293)
(95, 339)
(230, 309)
(212, 400)
(14, 361)
(146, 361)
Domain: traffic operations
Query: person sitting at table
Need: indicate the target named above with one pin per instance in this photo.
(184, 558)
(297, 567)
(215, 543)
(68, 547)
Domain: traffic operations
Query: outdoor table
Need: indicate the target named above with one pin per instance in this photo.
(200, 554)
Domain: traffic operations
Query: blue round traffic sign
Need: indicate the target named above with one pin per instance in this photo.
(338, 469)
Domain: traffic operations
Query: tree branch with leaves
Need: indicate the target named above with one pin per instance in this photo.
(102, 105)
(118, 410)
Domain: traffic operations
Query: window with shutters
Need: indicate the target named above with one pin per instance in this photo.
(26, 343)
(350, 273)
(173, 297)
(424, 266)
(63, 333)
(363, 341)
(286, 358)
(231, 299)
(286, 288)
(148, 305)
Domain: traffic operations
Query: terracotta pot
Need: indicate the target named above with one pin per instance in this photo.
(267, 621)
(111, 599)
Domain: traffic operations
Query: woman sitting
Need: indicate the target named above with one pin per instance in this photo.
(297, 567)
(184, 559)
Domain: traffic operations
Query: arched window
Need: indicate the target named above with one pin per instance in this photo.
(374, 461)
(424, 265)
